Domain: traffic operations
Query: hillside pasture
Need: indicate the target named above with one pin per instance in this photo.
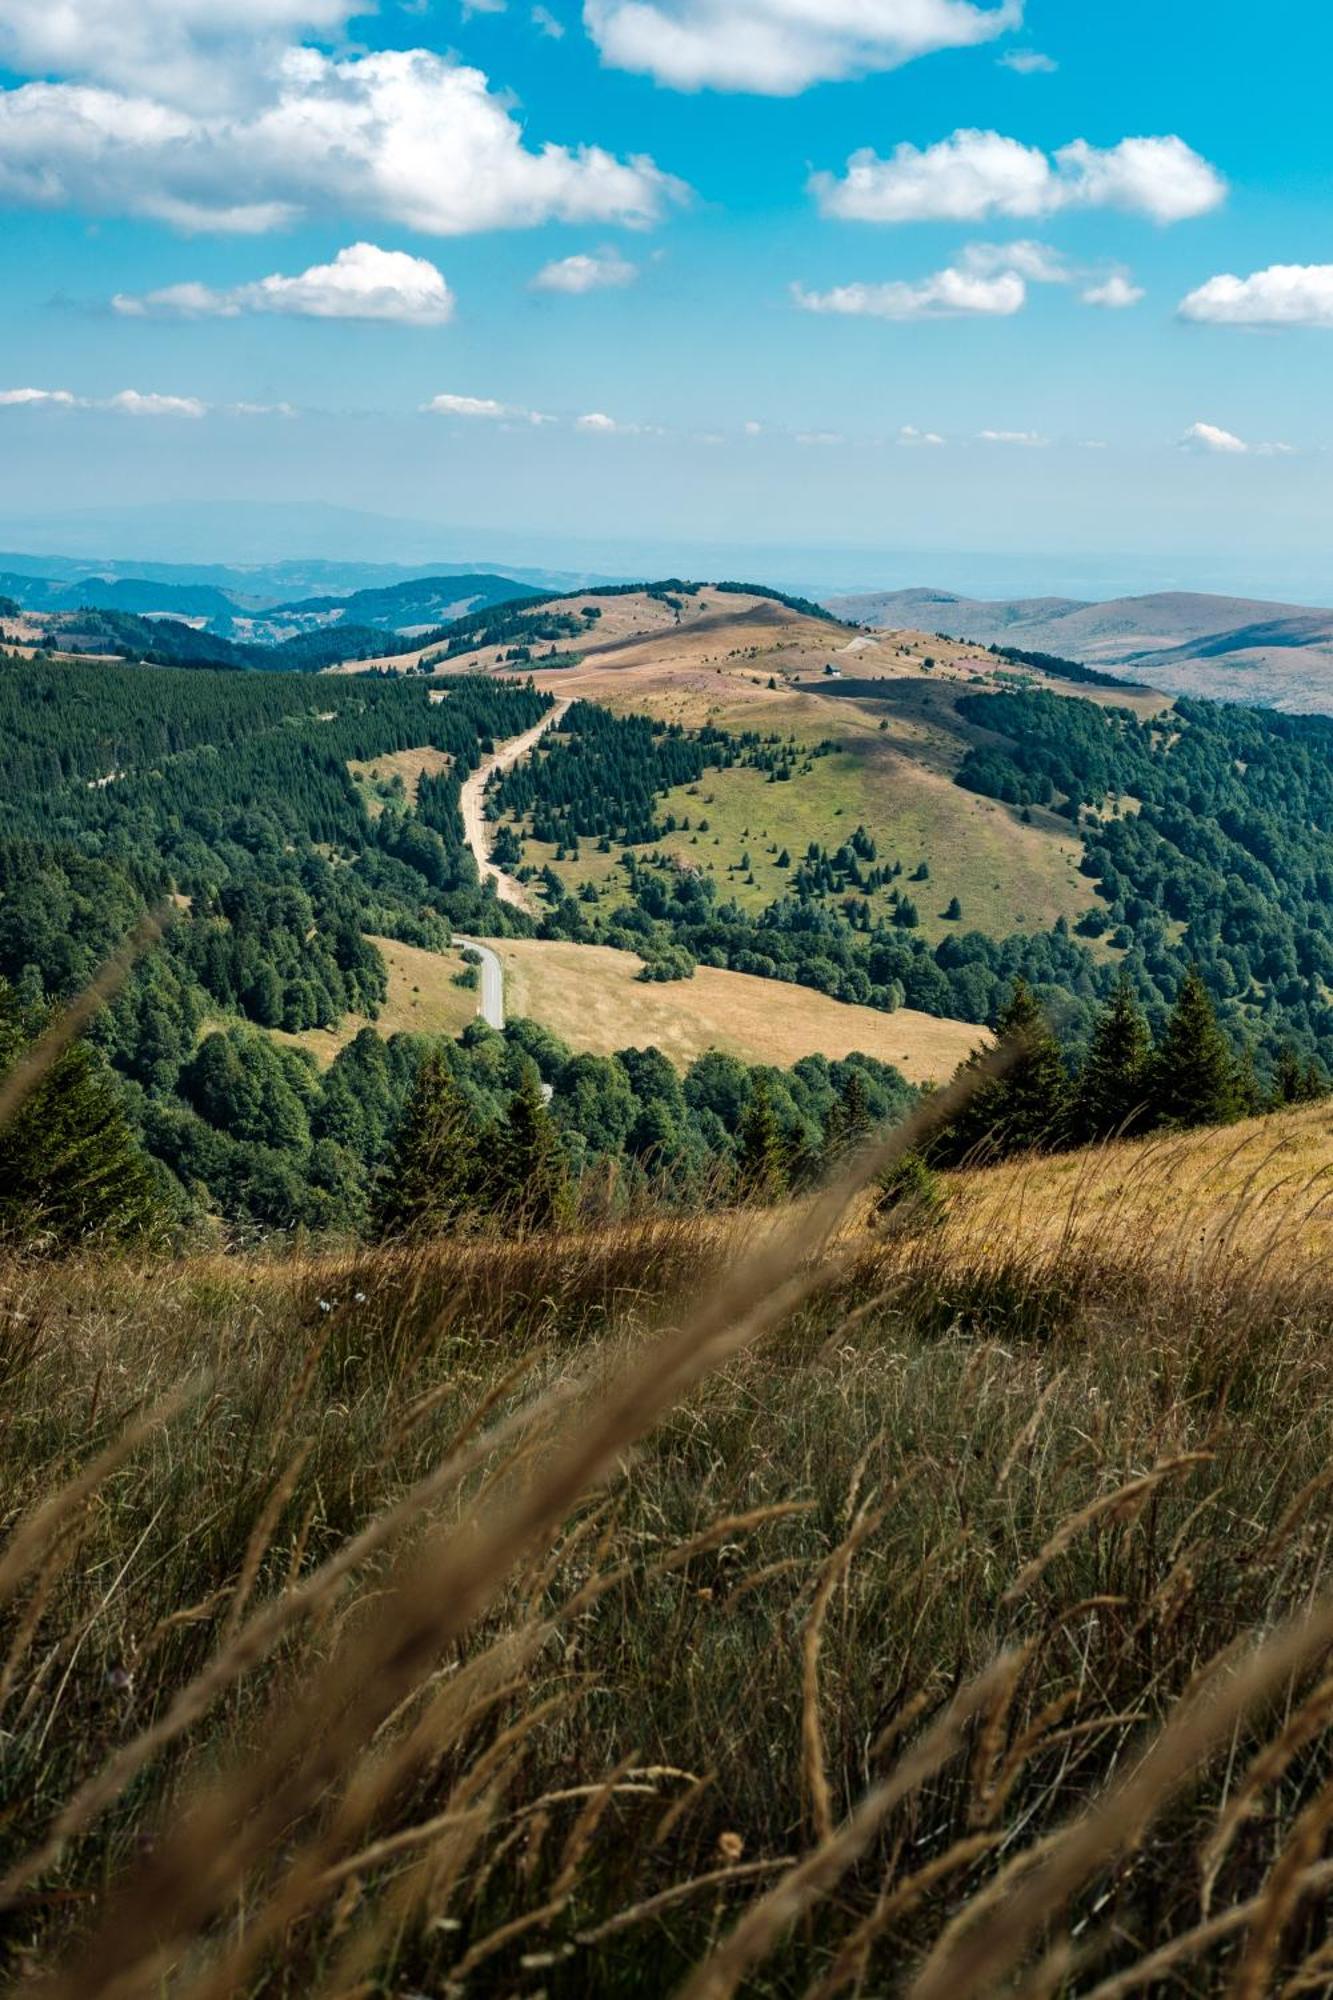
(592, 998)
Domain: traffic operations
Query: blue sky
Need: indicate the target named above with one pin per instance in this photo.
(1072, 296)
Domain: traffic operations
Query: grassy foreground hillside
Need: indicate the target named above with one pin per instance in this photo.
(767, 1606)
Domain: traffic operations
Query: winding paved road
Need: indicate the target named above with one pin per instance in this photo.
(491, 1006)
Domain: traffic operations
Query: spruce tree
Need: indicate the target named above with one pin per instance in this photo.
(1288, 1078)
(761, 1162)
(849, 1123)
(533, 1189)
(1194, 1076)
(71, 1169)
(1111, 1097)
(1027, 1109)
(433, 1175)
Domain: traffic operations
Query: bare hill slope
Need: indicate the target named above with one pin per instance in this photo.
(1230, 648)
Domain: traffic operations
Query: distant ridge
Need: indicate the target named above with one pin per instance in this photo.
(1185, 642)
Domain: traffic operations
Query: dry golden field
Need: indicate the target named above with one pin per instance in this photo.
(592, 998)
(757, 1605)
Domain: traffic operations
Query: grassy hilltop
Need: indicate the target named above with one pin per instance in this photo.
(819, 1608)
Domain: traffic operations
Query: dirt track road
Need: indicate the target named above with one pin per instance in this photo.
(474, 821)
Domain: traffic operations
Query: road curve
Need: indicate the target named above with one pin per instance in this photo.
(491, 1006)
(475, 823)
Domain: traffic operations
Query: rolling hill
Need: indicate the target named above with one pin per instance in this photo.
(1225, 648)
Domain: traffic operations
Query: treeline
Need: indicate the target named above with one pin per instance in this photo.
(1061, 669)
(1124, 1084)
(409, 1134)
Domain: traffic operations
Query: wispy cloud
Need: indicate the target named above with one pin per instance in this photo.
(1212, 438)
(948, 294)
(20, 399)
(125, 402)
(1029, 440)
(483, 409)
(133, 403)
(1113, 294)
(1027, 62)
(586, 272)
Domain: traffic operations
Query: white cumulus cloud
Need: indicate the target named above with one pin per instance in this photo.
(780, 47)
(1282, 295)
(910, 435)
(974, 175)
(197, 53)
(1032, 440)
(402, 135)
(1211, 437)
(363, 283)
(586, 272)
(946, 295)
(1028, 62)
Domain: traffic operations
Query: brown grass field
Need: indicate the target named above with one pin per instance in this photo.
(590, 997)
(765, 1606)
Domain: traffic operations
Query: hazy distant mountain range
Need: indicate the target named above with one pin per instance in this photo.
(1230, 648)
(261, 607)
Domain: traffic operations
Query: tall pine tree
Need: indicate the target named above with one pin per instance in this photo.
(432, 1179)
(1194, 1074)
(761, 1160)
(533, 1187)
(1115, 1085)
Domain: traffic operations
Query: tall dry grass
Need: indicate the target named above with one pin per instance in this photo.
(771, 1605)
